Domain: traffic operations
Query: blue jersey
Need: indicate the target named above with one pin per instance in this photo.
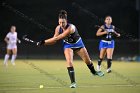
(108, 39)
(110, 35)
(73, 40)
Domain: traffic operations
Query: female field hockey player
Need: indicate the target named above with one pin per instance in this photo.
(106, 47)
(72, 43)
(11, 40)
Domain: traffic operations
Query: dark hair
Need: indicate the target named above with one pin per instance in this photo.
(108, 16)
(63, 14)
(12, 26)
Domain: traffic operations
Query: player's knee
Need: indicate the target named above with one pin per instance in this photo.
(69, 63)
(88, 62)
(14, 54)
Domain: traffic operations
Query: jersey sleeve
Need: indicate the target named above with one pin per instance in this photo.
(102, 27)
(8, 35)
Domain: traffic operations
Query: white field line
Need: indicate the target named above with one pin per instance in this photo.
(4, 89)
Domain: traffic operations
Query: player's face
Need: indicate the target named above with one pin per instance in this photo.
(13, 29)
(62, 22)
(108, 20)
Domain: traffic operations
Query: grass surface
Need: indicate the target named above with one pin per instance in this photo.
(28, 75)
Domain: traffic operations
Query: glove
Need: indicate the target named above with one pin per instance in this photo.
(19, 41)
(42, 42)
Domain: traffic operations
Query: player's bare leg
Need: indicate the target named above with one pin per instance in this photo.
(85, 56)
(109, 59)
(7, 57)
(14, 56)
(69, 58)
(102, 55)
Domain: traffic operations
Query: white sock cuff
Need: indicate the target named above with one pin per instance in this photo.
(14, 55)
(7, 55)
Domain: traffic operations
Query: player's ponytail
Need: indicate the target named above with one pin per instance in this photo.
(63, 14)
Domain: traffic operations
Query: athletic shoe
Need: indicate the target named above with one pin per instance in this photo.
(108, 70)
(13, 64)
(73, 85)
(98, 68)
(99, 73)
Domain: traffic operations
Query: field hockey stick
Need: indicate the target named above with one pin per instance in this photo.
(25, 38)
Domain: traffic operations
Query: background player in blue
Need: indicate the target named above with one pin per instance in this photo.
(72, 43)
(107, 44)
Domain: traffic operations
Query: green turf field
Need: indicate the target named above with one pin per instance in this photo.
(27, 75)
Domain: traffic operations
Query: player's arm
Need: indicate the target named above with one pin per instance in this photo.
(56, 31)
(18, 40)
(101, 31)
(52, 40)
(116, 33)
(6, 39)
(58, 36)
(68, 31)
